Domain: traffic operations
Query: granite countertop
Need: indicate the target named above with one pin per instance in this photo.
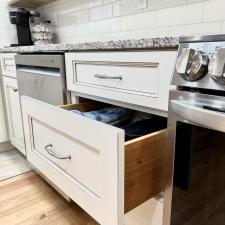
(148, 43)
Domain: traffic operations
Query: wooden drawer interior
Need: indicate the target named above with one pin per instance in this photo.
(144, 168)
(144, 162)
(85, 106)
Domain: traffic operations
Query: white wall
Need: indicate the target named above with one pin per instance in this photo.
(7, 30)
(102, 20)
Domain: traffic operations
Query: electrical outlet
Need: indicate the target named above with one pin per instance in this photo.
(140, 4)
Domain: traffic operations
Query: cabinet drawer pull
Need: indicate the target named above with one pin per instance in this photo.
(48, 149)
(15, 89)
(108, 77)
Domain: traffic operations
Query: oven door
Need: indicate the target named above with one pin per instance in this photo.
(195, 185)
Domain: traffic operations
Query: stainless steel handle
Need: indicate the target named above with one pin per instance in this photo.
(48, 149)
(15, 89)
(108, 77)
(39, 71)
(197, 114)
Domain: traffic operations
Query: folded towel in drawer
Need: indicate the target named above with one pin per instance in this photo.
(143, 127)
(107, 115)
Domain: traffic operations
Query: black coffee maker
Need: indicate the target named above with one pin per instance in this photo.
(20, 17)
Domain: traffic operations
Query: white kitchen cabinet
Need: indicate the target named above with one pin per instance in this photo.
(14, 113)
(3, 129)
(90, 161)
(138, 78)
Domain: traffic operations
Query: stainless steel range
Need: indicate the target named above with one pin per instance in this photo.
(195, 185)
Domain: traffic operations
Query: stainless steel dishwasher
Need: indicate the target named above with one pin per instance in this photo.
(42, 76)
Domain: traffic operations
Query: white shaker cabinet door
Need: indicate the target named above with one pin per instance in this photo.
(14, 113)
(3, 130)
(82, 157)
(139, 78)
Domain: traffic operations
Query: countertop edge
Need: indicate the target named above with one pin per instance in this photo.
(161, 43)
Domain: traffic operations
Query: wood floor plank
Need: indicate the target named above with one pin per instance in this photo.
(28, 200)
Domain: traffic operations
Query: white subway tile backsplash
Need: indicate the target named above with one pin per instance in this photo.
(196, 29)
(124, 7)
(105, 20)
(3, 3)
(4, 13)
(139, 21)
(93, 3)
(7, 30)
(106, 26)
(223, 27)
(214, 10)
(157, 32)
(193, 1)
(108, 37)
(118, 8)
(84, 29)
(5, 24)
(7, 36)
(72, 18)
(109, 1)
(100, 12)
(182, 15)
(64, 6)
(159, 4)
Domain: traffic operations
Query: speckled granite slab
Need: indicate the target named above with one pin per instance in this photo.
(150, 43)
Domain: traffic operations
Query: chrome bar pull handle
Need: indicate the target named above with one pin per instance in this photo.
(48, 149)
(100, 76)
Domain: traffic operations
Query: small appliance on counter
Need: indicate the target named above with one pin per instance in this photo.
(21, 18)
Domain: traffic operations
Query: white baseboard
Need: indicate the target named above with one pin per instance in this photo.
(6, 146)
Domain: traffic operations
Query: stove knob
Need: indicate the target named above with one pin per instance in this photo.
(192, 64)
(217, 66)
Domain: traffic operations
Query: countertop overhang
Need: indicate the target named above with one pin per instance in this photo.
(130, 44)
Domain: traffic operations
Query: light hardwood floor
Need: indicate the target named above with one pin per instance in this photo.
(28, 200)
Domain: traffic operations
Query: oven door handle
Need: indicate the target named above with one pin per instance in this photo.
(196, 113)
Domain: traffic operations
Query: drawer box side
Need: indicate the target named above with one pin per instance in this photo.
(144, 168)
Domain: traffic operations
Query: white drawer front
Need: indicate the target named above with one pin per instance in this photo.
(129, 78)
(81, 161)
(8, 65)
(140, 78)
(94, 176)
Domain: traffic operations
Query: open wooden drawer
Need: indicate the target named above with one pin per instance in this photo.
(91, 162)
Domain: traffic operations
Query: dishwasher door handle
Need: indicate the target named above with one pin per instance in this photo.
(40, 71)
